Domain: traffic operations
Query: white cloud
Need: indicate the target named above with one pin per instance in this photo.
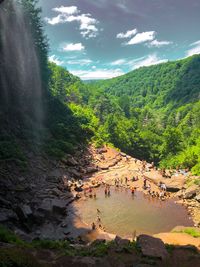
(66, 10)
(147, 37)
(127, 34)
(148, 61)
(88, 27)
(55, 60)
(55, 20)
(156, 43)
(87, 24)
(73, 47)
(195, 43)
(123, 7)
(96, 74)
(152, 59)
(81, 62)
(118, 62)
(142, 38)
(194, 50)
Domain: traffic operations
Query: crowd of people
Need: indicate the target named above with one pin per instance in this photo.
(121, 182)
(162, 194)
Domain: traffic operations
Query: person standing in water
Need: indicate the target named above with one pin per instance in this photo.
(145, 183)
(98, 211)
(93, 226)
(106, 192)
(133, 191)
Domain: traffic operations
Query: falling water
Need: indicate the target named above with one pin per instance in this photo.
(20, 77)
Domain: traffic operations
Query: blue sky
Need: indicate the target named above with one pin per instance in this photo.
(98, 39)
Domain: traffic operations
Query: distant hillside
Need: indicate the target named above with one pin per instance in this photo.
(175, 82)
(152, 113)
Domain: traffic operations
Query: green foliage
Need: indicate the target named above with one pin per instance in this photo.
(148, 113)
(51, 244)
(11, 151)
(170, 248)
(86, 117)
(152, 113)
(60, 82)
(7, 236)
(190, 231)
(172, 141)
(14, 257)
(98, 249)
(58, 148)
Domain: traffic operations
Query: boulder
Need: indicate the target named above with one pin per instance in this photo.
(104, 167)
(50, 206)
(75, 173)
(4, 202)
(52, 179)
(70, 161)
(101, 150)
(174, 184)
(91, 169)
(23, 235)
(152, 247)
(7, 214)
(59, 206)
(56, 192)
(24, 212)
(122, 154)
(38, 217)
(198, 197)
(56, 173)
(121, 242)
(46, 207)
(191, 192)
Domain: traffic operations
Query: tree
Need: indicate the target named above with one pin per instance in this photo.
(172, 143)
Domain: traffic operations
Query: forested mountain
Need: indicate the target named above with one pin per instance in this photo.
(163, 101)
(152, 113)
(173, 83)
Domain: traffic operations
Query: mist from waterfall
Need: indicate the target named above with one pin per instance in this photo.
(20, 75)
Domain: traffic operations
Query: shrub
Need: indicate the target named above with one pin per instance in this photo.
(7, 236)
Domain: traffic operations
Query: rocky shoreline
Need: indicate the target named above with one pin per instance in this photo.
(36, 206)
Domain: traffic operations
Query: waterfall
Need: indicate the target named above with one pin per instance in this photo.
(20, 75)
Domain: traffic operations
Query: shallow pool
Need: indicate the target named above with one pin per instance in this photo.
(122, 213)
